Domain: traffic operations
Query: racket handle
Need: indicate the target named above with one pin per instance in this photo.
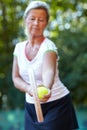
(35, 96)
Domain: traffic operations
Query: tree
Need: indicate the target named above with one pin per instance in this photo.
(67, 28)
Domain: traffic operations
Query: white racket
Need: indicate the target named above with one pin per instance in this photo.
(35, 96)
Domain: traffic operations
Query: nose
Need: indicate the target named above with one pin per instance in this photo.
(36, 21)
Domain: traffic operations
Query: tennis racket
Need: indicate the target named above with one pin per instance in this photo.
(35, 96)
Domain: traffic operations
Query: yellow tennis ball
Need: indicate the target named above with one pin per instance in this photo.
(42, 91)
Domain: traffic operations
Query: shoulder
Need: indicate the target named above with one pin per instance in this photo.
(49, 41)
(49, 45)
(21, 44)
(19, 47)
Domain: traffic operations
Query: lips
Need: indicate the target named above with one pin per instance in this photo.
(35, 29)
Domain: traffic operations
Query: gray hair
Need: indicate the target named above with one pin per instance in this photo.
(37, 5)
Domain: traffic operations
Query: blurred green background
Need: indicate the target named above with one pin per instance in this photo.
(68, 29)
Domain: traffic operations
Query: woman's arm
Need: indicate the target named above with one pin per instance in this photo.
(49, 67)
(48, 72)
(19, 83)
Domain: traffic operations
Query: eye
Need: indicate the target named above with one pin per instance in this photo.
(41, 20)
(32, 19)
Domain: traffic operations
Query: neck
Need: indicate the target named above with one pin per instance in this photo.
(36, 40)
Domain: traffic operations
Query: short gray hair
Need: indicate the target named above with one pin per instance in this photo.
(37, 5)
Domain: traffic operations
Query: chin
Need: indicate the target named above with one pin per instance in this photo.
(36, 35)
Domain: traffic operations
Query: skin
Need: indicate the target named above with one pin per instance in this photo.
(35, 23)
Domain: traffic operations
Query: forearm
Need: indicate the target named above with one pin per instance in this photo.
(21, 85)
(48, 69)
(48, 78)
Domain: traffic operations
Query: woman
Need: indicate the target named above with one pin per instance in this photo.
(40, 53)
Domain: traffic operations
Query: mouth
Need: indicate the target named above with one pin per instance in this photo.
(35, 29)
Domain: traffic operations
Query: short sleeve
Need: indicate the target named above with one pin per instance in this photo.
(50, 46)
(15, 52)
(19, 47)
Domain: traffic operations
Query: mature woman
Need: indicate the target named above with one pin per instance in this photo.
(40, 53)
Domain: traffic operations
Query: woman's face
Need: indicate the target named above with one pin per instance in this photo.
(36, 22)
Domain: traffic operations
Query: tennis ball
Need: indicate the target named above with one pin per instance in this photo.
(42, 91)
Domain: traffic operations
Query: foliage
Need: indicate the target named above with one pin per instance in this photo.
(67, 28)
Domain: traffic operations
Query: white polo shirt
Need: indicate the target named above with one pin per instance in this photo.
(58, 88)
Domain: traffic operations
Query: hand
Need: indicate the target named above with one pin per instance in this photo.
(29, 91)
(46, 97)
